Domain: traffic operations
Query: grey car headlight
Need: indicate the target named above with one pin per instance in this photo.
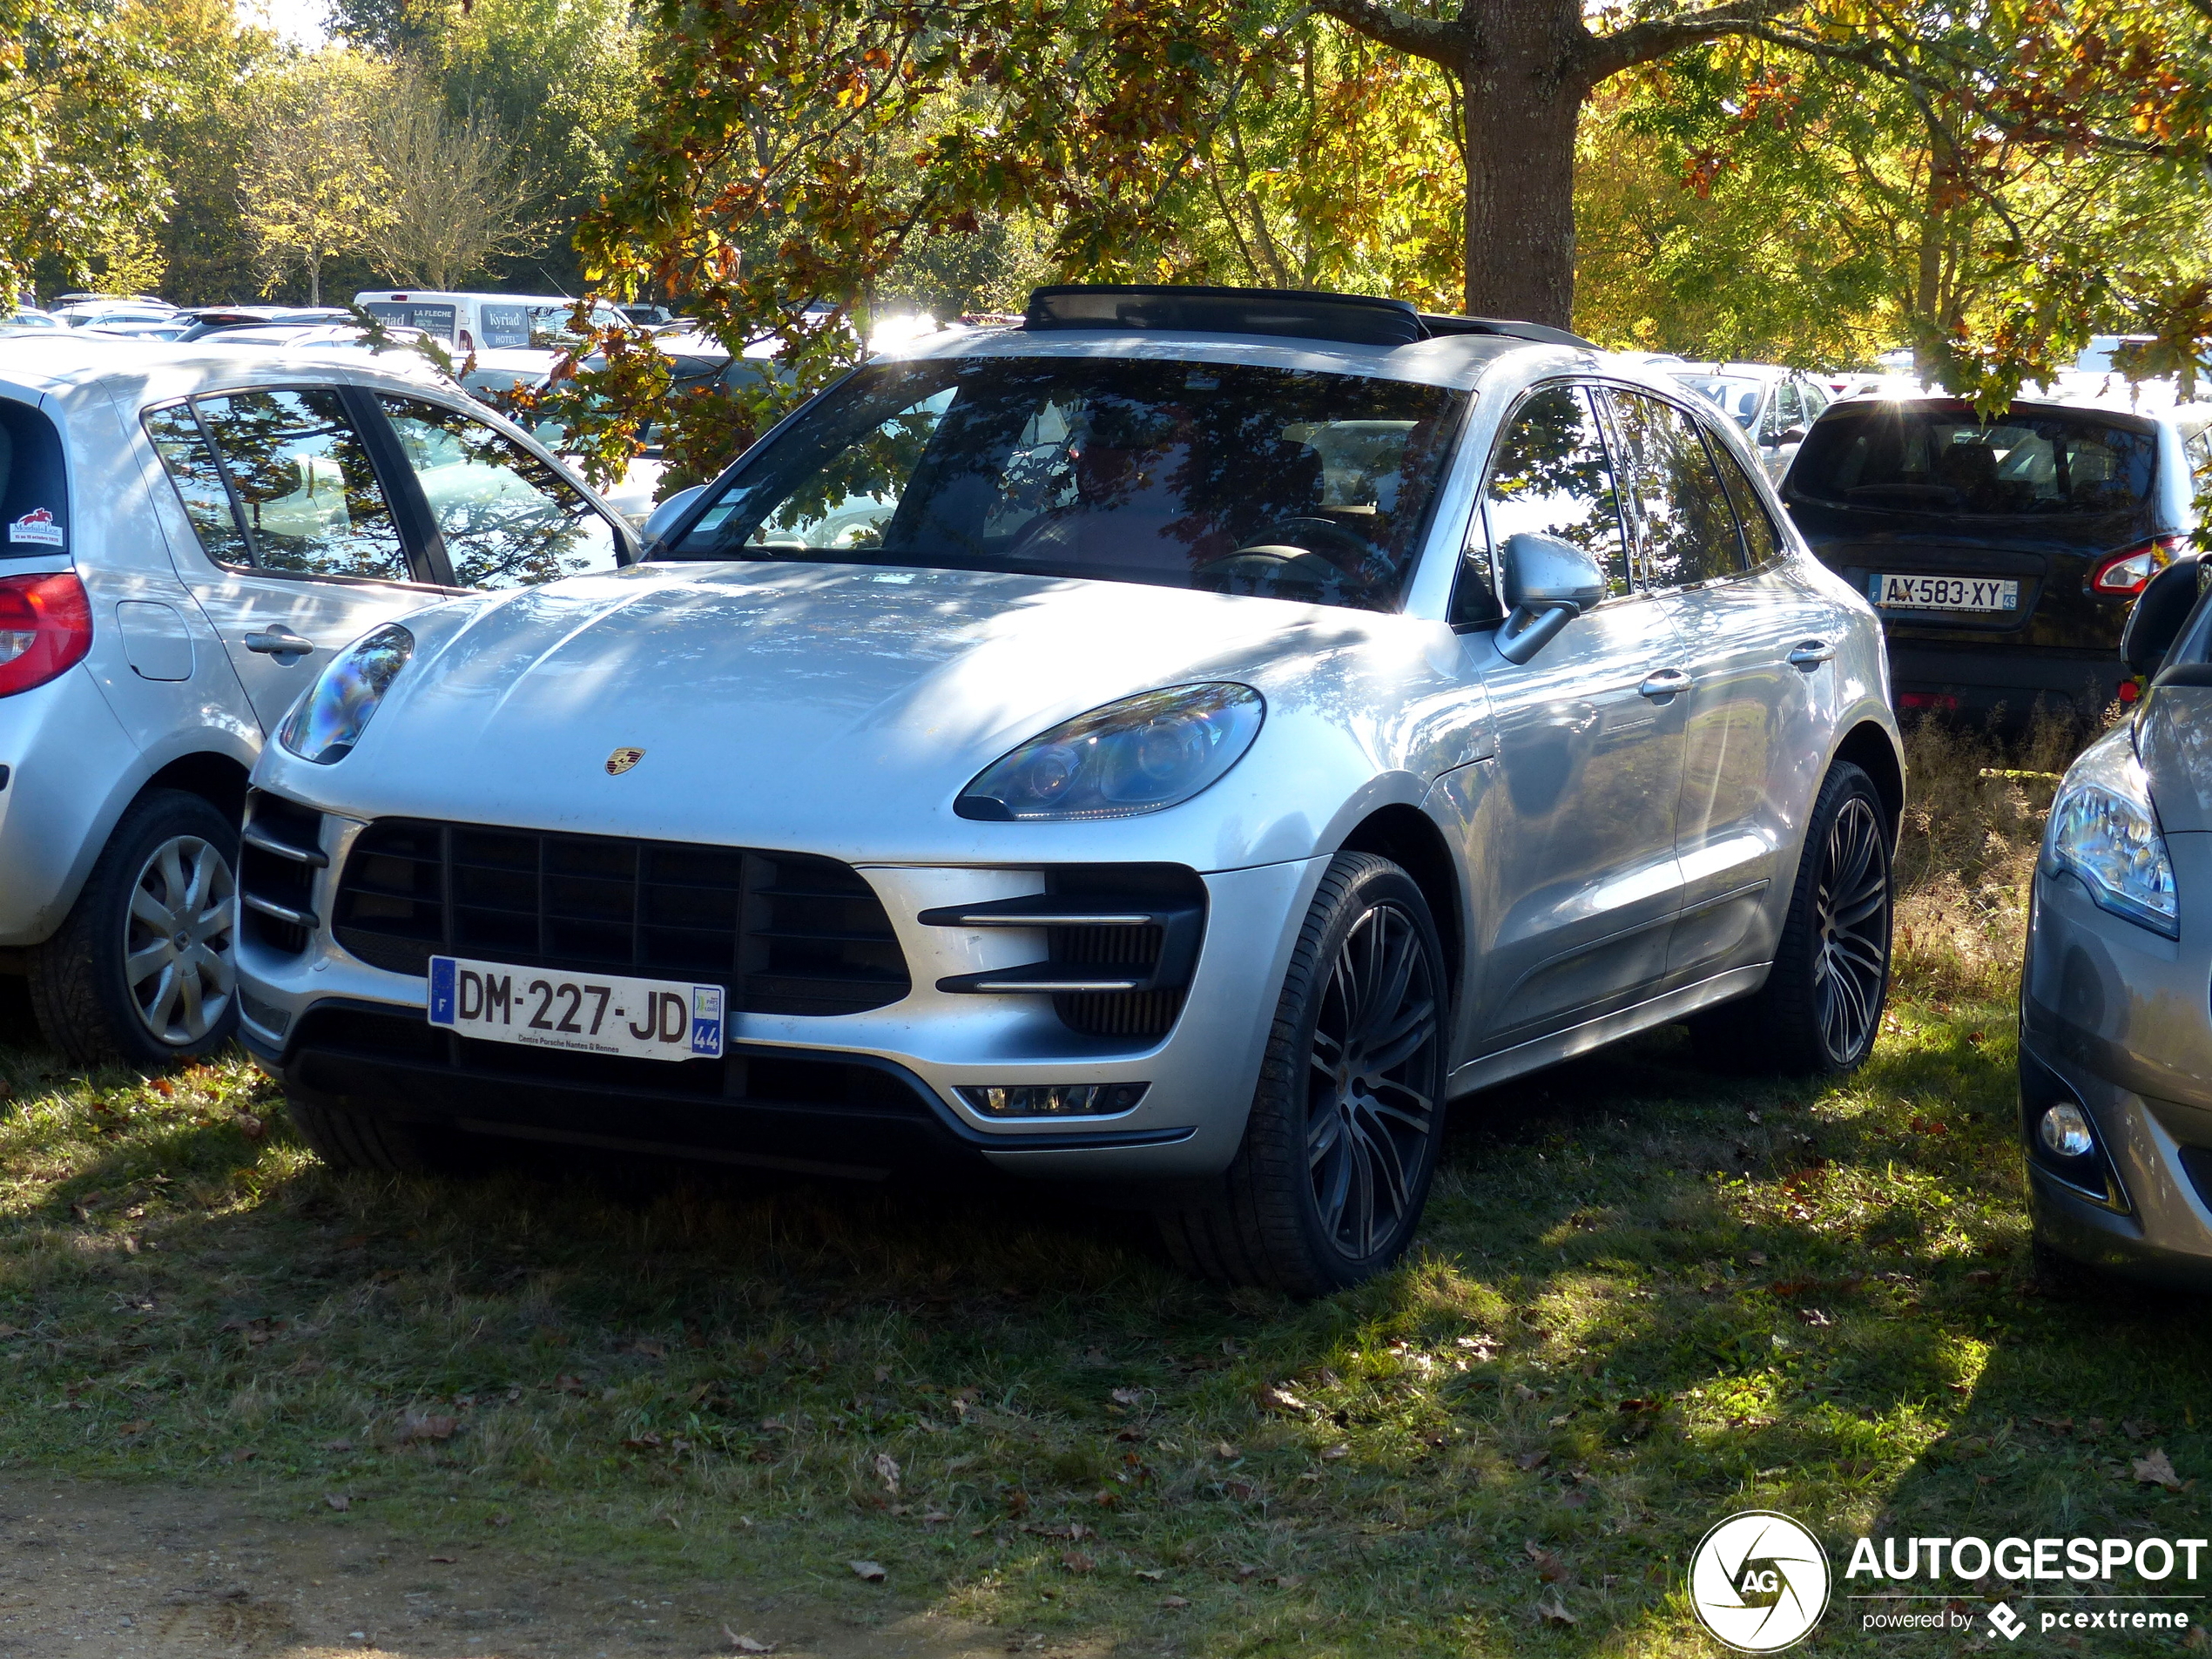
(2105, 831)
(1142, 755)
(325, 724)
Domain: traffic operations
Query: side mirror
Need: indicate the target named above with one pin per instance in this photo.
(667, 513)
(1549, 584)
(2154, 621)
(1790, 435)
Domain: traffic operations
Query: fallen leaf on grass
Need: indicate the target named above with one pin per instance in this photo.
(1814, 1317)
(565, 1384)
(1550, 1567)
(138, 1427)
(427, 1426)
(1574, 1499)
(1224, 1450)
(650, 1347)
(1242, 1491)
(887, 1470)
(646, 1442)
(1275, 1398)
(1553, 1610)
(338, 1500)
(1533, 1459)
(250, 1126)
(935, 1518)
(1151, 1574)
(2157, 1470)
(443, 1560)
(1174, 1601)
(1076, 1562)
(1244, 1570)
(243, 1454)
(1286, 1580)
(1128, 1396)
(869, 1570)
(747, 1644)
(503, 1519)
(1331, 1453)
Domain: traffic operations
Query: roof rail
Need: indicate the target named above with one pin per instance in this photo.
(1541, 332)
(1355, 318)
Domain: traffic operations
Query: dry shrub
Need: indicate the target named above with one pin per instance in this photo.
(1974, 818)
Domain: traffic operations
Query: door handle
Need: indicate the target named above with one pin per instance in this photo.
(279, 642)
(1667, 682)
(1811, 653)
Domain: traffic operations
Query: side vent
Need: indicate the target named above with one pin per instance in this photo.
(1121, 941)
(279, 854)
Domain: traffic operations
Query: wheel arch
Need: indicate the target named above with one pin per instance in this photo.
(1409, 837)
(217, 778)
(1874, 751)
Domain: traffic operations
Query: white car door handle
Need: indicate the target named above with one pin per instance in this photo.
(1668, 682)
(1811, 653)
(279, 642)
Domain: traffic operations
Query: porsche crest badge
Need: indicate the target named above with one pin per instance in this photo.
(622, 760)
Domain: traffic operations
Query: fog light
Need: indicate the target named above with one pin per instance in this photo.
(2066, 1131)
(1052, 1100)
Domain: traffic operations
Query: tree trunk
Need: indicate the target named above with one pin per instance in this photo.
(314, 281)
(1520, 108)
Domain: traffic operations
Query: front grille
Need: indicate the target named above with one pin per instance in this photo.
(279, 854)
(762, 1078)
(782, 932)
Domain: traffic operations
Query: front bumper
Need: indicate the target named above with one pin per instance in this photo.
(868, 1093)
(2119, 1020)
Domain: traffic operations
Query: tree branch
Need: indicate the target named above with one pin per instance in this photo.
(1439, 42)
(1640, 42)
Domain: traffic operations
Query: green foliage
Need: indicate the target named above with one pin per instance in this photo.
(79, 90)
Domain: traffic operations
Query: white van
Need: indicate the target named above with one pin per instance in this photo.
(478, 321)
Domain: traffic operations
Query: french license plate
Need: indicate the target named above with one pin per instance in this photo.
(647, 1019)
(1944, 593)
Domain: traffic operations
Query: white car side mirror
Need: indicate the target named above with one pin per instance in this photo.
(665, 514)
(1550, 583)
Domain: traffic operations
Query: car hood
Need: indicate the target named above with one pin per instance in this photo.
(2174, 741)
(793, 702)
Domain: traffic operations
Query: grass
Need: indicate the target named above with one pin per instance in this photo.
(1646, 1297)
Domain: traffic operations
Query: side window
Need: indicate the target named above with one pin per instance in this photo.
(2198, 446)
(509, 520)
(1787, 411)
(1759, 537)
(192, 466)
(1549, 475)
(302, 479)
(1688, 532)
(1815, 400)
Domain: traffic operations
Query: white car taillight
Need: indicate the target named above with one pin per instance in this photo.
(2126, 572)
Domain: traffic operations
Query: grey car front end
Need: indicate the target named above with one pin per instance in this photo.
(2115, 1060)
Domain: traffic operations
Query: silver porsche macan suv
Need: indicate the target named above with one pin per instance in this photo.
(1181, 742)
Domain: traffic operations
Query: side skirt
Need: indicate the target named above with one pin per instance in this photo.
(1506, 1064)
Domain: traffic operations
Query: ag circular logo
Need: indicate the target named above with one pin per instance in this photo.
(1759, 1581)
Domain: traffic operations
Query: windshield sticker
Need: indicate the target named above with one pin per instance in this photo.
(37, 527)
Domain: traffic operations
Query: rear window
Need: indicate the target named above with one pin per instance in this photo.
(34, 495)
(1940, 459)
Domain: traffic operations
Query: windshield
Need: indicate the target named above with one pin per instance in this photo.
(1734, 393)
(1939, 459)
(1227, 476)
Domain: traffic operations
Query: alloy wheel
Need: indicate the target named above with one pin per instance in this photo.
(177, 958)
(1851, 911)
(1370, 1103)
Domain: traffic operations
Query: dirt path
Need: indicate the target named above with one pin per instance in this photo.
(95, 1572)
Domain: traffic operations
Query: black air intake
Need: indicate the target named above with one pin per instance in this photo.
(783, 933)
(279, 854)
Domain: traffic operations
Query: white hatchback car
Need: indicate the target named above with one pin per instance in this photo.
(194, 533)
(1183, 741)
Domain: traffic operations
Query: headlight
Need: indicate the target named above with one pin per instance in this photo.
(325, 724)
(2104, 830)
(1139, 755)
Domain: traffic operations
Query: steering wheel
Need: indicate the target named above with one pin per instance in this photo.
(1301, 550)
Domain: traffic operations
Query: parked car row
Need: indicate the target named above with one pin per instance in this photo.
(1179, 741)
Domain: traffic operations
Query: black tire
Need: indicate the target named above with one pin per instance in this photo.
(1820, 1010)
(82, 989)
(348, 1140)
(1288, 1215)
